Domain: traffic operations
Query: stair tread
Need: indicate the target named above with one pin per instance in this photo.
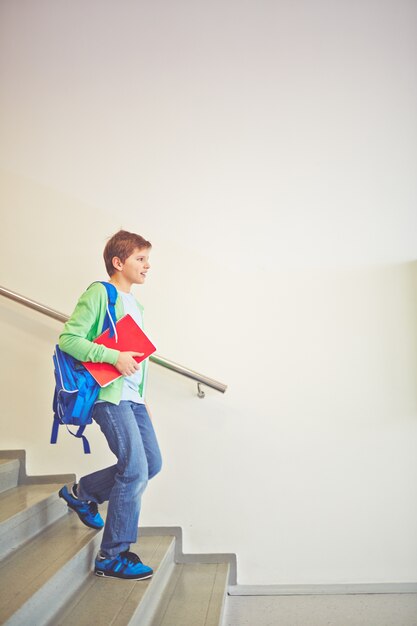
(194, 596)
(20, 498)
(112, 601)
(27, 569)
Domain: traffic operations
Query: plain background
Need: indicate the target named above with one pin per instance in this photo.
(268, 151)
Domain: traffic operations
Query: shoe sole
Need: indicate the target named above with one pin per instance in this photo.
(73, 508)
(121, 576)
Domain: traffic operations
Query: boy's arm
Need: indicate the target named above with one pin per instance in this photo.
(82, 324)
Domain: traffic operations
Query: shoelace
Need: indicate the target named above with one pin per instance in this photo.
(93, 507)
(130, 557)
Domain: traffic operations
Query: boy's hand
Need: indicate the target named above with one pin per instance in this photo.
(126, 364)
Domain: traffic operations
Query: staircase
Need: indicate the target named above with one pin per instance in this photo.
(47, 557)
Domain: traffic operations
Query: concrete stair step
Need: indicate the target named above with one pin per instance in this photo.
(38, 577)
(191, 594)
(25, 511)
(9, 473)
(18, 459)
(195, 596)
(105, 601)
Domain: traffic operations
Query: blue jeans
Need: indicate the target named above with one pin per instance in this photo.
(131, 437)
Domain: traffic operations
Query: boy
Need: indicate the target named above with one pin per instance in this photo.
(120, 411)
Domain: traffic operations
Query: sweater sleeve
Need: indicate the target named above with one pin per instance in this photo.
(81, 327)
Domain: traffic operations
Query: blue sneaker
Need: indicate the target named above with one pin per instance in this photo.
(125, 565)
(86, 511)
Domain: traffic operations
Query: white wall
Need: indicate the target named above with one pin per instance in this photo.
(268, 150)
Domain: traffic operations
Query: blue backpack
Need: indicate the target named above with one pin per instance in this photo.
(75, 389)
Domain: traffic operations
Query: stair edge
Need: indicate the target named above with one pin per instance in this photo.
(24, 479)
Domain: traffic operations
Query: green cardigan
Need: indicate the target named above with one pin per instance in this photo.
(84, 325)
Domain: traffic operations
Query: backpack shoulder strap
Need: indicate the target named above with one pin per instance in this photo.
(111, 291)
(110, 319)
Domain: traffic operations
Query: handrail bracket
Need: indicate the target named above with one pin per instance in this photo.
(200, 392)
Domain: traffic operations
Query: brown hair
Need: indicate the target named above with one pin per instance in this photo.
(122, 245)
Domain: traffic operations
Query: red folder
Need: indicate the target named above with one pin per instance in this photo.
(130, 338)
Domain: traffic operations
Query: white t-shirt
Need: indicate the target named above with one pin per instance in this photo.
(131, 383)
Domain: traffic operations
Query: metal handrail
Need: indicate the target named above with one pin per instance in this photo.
(159, 360)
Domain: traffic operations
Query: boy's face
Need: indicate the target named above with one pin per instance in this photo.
(135, 266)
